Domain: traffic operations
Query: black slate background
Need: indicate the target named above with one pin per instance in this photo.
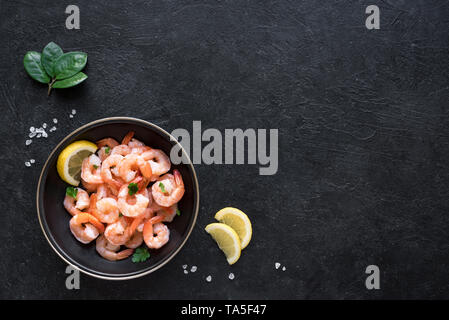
(362, 117)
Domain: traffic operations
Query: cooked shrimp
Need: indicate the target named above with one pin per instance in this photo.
(159, 161)
(106, 168)
(155, 234)
(77, 204)
(148, 214)
(109, 142)
(134, 143)
(90, 187)
(90, 170)
(107, 210)
(168, 213)
(109, 251)
(117, 233)
(131, 165)
(85, 227)
(173, 187)
(132, 206)
(103, 191)
(140, 150)
(128, 137)
(121, 149)
(135, 240)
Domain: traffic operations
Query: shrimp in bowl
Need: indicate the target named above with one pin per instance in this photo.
(129, 194)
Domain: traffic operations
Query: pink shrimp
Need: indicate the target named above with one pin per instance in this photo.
(85, 227)
(168, 213)
(108, 142)
(134, 143)
(159, 161)
(90, 187)
(106, 168)
(135, 205)
(77, 204)
(121, 149)
(135, 241)
(107, 210)
(109, 251)
(168, 189)
(90, 170)
(130, 166)
(128, 137)
(155, 233)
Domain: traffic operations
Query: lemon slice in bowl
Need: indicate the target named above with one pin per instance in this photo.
(227, 239)
(238, 221)
(71, 158)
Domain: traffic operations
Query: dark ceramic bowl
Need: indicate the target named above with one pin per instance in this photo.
(54, 219)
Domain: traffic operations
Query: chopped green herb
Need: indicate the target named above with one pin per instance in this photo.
(95, 166)
(120, 214)
(132, 188)
(178, 212)
(141, 255)
(107, 149)
(71, 192)
(161, 185)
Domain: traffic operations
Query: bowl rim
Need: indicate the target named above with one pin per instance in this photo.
(196, 203)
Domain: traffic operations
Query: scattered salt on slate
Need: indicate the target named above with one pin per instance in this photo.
(231, 276)
(193, 269)
(209, 278)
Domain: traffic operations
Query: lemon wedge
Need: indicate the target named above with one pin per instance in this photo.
(71, 158)
(227, 239)
(238, 221)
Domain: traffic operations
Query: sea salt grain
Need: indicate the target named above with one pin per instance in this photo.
(193, 269)
(27, 163)
(52, 129)
(284, 268)
(209, 278)
(186, 272)
(73, 111)
(71, 116)
(277, 265)
(44, 125)
(231, 276)
(55, 120)
(32, 134)
(28, 142)
(32, 161)
(184, 266)
(32, 129)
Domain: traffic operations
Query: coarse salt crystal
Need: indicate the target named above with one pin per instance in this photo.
(44, 125)
(193, 269)
(28, 142)
(27, 163)
(39, 135)
(44, 134)
(73, 111)
(284, 268)
(71, 116)
(32, 129)
(209, 278)
(55, 120)
(52, 129)
(32, 161)
(184, 266)
(231, 276)
(32, 134)
(186, 272)
(277, 265)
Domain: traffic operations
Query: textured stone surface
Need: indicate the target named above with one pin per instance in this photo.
(363, 175)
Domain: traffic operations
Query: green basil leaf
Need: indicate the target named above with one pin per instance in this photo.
(70, 82)
(50, 53)
(33, 65)
(69, 64)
